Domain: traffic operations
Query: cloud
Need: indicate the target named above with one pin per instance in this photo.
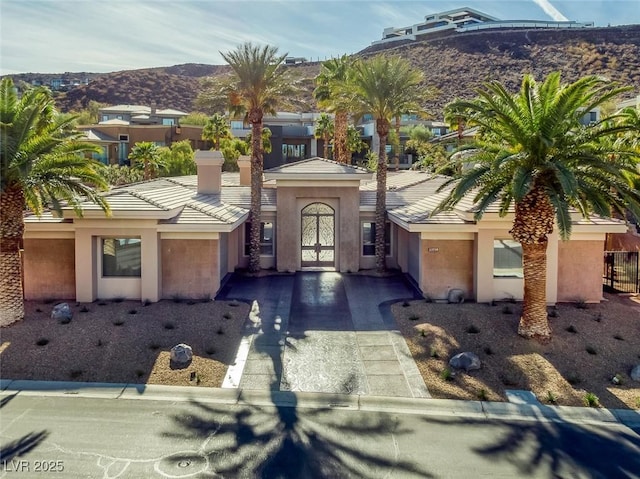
(550, 10)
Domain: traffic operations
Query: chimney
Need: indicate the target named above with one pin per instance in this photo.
(209, 165)
(244, 163)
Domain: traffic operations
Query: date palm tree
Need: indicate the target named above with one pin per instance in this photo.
(42, 163)
(258, 84)
(325, 130)
(536, 155)
(334, 74)
(382, 86)
(216, 129)
(146, 157)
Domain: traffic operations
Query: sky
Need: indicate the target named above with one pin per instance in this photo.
(56, 36)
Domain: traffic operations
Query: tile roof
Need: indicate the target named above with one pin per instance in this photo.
(316, 166)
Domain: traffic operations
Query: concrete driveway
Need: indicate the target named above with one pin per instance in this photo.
(324, 332)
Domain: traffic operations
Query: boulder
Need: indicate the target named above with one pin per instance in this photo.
(467, 361)
(62, 313)
(635, 373)
(181, 355)
(455, 296)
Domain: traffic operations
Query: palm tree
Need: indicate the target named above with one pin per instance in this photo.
(258, 84)
(324, 129)
(330, 82)
(146, 156)
(382, 86)
(216, 129)
(535, 154)
(42, 163)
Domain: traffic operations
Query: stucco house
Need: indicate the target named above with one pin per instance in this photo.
(179, 237)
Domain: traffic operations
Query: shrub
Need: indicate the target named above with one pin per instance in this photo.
(139, 373)
(405, 304)
(210, 350)
(618, 337)
(447, 374)
(571, 329)
(414, 317)
(146, 302)
(551, 398)
(118, 322)
(119, 299)
(482, 394)
(573, 378)
(433, 352)
(488, 351)
(581, 303)
(591, 350)
(227, 315)
(220, 331)
(169, 325)
(154, 346)
(75, 373)
(472, 329)
(84, 309)
(423, 333)
(42, 342)
(591, 400)
(133, 311)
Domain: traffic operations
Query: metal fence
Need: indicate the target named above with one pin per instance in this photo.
(621, 271)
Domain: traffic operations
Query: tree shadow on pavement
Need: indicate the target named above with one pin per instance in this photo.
(277, 441)
(22, 445)
(565, 448)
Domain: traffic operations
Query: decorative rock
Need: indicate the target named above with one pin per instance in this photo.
(467, 361)
(455, 296)
(181, 355)
(62, 313)
(635, 373)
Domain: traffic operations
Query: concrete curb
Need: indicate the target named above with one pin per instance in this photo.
(419, 406)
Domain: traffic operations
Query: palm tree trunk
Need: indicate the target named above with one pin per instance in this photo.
(255, 118)
(396, 158)
(325, 146)
(382, 128)
(534, 322)
(147, 169)
(533, 222)
(11, 231)
(342, 154)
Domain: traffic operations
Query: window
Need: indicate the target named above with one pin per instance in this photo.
(266, 238)
(123, 137)
(102, 156)
(121, 257)
(237, 125)
(168, 121)
(294, 152)
(369, 239)
(105, 118)
(507, 259)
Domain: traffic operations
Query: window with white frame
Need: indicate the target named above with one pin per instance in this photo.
(369, 239)
(267, 232)
(121, 257)
(507, 259)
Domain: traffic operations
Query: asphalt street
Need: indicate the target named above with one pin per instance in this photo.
(180, 433)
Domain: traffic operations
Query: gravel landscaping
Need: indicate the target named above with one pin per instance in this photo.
(592, 344)
(124, 342)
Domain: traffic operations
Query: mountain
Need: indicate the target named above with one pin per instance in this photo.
(454, 66)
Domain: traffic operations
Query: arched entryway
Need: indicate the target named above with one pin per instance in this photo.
(318, 236)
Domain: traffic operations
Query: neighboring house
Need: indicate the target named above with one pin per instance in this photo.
(140, 115)
(464, 20)
(180, 236)
(631, 102)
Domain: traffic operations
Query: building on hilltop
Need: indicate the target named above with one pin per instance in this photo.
(465, 20)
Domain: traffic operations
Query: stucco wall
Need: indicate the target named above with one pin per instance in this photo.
(49, 269)
(345, 201)
(580, 265)
(189, 268)
(446, 264)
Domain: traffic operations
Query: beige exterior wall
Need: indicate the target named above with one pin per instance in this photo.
(190, 268)
(49, 269)
(402, 249)
(446, 264)
(580, 265)
(346, 203)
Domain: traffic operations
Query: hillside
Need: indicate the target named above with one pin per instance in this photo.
(454, 66)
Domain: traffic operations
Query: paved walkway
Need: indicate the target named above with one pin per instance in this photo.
(324, 332)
